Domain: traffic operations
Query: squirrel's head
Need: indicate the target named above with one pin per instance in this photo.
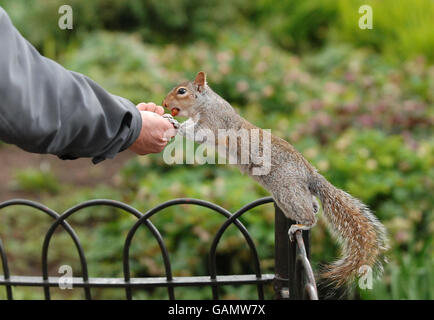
(184, 99)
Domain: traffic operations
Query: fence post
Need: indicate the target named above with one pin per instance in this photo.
(289, 278)
(282, 257)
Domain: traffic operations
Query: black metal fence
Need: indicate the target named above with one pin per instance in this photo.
(293, 278)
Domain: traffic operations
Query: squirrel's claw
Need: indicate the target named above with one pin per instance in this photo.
(294, 228)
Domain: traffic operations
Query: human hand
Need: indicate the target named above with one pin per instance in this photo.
(150, 106)
(156, 131)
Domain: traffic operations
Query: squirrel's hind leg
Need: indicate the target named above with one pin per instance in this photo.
(297, 203)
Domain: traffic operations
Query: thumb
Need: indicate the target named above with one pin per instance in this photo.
(169, 133)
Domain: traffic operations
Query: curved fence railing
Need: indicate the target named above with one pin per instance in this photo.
(293, 278)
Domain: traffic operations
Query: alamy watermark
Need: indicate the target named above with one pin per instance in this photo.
(365, 277)
(250, 148)
(66, 281)
(365, 21)
(66, 19)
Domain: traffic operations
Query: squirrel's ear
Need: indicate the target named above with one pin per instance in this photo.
(200, 80)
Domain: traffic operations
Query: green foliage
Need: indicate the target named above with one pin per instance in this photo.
(401, 29)
(298, 25)
(364, 121)
(336, 88)
(33, 180)
(179, 21)
(394, 173)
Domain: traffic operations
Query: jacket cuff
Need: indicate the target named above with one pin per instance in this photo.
(128, 133)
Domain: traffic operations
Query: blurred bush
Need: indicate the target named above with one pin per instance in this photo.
(402, 29)
(297, 25)
(348, 87)
(176, 21)
(34, 180)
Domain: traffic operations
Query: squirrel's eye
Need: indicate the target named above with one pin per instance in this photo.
(182, 90)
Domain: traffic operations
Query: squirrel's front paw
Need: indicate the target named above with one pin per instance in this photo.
(294, 228)
(172, 120)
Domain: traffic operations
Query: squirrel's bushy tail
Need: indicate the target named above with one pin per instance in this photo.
(362, 236)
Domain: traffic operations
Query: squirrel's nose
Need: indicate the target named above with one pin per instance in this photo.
(164, 104)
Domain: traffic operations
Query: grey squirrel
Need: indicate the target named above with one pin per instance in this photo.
(292, 181)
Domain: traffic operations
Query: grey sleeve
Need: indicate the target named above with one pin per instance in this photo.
(45, 108)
